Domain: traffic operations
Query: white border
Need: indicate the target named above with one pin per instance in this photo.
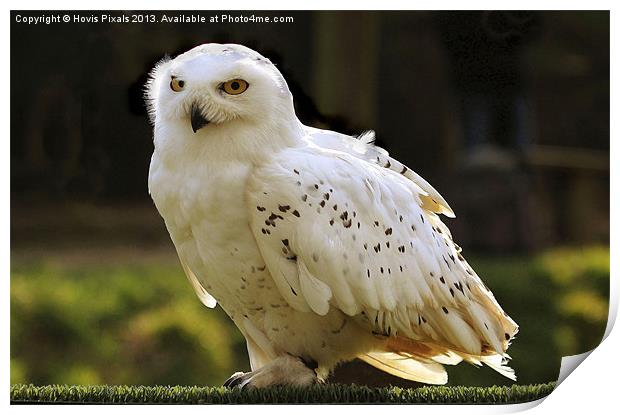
(591, 388)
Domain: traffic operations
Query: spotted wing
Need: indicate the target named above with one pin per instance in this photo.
(363, 147)
(338, 231)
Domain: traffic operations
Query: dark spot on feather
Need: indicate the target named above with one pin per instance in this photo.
(388, 231)
(296, 213)
(335, 207)
(316, 186)
(445, 310)
(443, 281)
(451, 292)
(285, 242)
(294, 293)
(368, 273)
(404, 170)
(347, 223)
(422, 217)
(296, 172)
(401, 268)
(387, 244)
(260, 208)
(358, 225)
(459, 287)
(331, 222)
(507, 336)
(376, 223)
(322, 203)
(381, 269)
(283, 208)
(304, 198)
(400, 218)
(326, 196)
(446, 261)
(366, 246)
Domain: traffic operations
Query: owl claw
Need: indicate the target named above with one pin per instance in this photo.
(285, 370)
(234, 380)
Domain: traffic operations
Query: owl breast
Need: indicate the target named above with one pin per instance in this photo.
(205, 214)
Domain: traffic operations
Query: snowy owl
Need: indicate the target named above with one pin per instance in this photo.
(319, 246)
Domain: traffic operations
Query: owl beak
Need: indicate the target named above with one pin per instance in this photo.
(198, 120)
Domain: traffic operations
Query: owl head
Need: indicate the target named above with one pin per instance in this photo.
(215, 85)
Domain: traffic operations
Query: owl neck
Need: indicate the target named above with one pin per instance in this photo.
(238, 141)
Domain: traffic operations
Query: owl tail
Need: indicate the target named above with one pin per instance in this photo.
(422, 362)
(406, 367)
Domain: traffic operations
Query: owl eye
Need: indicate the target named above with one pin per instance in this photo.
(235, 86)
(177, 84)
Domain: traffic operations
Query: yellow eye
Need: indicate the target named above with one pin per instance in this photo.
(177, 84)
(235, 86)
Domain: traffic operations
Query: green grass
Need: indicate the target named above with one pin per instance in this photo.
(281, 395)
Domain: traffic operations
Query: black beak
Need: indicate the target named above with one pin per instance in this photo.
(198, 120)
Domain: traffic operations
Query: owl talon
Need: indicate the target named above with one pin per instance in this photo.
(233, 381)
(285, 370)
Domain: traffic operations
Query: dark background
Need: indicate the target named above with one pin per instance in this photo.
(505, 113)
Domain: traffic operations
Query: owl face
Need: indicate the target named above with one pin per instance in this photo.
(215, 84)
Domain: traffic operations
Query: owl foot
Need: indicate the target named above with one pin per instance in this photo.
(285, 370)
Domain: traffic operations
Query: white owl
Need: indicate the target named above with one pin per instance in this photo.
(319, 246)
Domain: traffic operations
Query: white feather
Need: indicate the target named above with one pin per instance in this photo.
(407, 368)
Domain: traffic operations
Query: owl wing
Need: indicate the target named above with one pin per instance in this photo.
(362, 147)
(202, 294)
(338, 231)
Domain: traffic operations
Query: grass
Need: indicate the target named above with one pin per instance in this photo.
(341, 394)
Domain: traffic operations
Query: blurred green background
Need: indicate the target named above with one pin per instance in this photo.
(110, 304)
(506, 113)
